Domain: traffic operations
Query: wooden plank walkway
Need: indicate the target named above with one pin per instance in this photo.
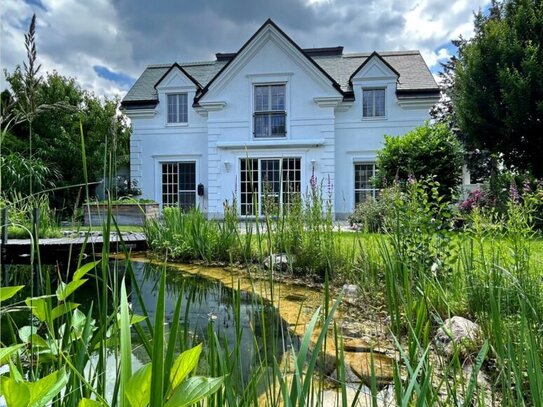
(57, 249)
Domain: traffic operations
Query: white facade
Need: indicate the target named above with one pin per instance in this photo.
(326, 132)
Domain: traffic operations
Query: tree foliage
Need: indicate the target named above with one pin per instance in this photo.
(498, 85)
(427, 151)
(44, 115)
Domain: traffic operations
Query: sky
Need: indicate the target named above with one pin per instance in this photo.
(106, 44)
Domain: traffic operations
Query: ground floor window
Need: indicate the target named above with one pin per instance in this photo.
(268, 184)
(179, 184)
(363, 185)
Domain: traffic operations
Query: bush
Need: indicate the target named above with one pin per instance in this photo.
(369, 215)
(428, 151)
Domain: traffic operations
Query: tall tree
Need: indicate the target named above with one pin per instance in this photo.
(498, 85)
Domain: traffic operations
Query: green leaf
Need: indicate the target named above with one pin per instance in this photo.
(193, 390)
(7, 292)
(138, 388)
(84, 269)
(157, 376)
(89, 403)
(44, 390)
(6, 352)
(38, 305)
(126, 346)
(15, 393)
(136, 319)
(63, 309)
(184, 364)
(64, 290)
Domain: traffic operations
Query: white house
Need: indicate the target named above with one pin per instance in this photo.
(267, 118)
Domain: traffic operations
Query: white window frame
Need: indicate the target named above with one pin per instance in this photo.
(270, 112)
(260, 194)
(374, 191)
(373, 116)
(186, 113)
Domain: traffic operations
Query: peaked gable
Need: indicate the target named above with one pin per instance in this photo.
(177, 76)
(374, 66)
(268, 28)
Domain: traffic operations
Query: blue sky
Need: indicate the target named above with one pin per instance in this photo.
(106, 44)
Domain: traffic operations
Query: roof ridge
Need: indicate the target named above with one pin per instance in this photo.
(382, 53)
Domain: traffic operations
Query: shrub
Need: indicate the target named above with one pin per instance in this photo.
(428, 151)
(369, 215)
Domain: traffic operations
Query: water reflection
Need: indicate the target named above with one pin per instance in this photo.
(238, 318)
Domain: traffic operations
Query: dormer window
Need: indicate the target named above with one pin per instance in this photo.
(177, 108)
(269, 111)
(373, 103)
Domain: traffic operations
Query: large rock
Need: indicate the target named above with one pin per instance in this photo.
(458, 333)
(361, 365)
(277, 261)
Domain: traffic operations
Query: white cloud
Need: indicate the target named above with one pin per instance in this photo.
(74, 36)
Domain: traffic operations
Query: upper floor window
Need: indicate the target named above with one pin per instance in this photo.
(177, 108)
(373, 103)
(269, 111)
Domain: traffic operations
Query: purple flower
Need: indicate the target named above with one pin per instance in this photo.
(526, 187)
(410, 179)
(513, 192)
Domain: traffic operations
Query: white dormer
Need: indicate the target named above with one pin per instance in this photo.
(374, 85)
(176, 91)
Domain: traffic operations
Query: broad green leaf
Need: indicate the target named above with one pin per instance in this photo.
(193, 390)
(64, 290)
(7, 292)
(138, 388)
(26, 332)
(62, 309)
(38, 305)
(184, 364)
(89, 403)
(136, 319)
(84, 269)
(45, 389)
(16, 393)
(6, 352)
(38, 341)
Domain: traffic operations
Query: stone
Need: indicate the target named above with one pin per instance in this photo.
(279, 261)
(350, 290)
(458, 333)
(361, 365)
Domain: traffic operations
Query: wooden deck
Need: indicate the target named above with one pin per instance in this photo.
(61, 249)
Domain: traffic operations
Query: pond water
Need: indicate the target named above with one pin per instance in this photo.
(237, 317)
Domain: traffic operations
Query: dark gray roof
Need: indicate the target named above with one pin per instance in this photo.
(414, 73)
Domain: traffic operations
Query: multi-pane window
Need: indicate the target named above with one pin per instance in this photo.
(363, 185)
(269, 111)
(177, 108)
(179, 184)
(268, 184)
(373, 102)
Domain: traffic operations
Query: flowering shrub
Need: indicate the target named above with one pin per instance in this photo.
(475, 199)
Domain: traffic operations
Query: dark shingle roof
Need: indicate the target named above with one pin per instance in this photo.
(414, 73)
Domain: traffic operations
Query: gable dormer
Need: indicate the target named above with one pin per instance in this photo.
(374, 85)
(176, 90)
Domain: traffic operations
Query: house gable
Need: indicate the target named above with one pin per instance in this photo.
(176, 78)
(374, 68)
(268, 39)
